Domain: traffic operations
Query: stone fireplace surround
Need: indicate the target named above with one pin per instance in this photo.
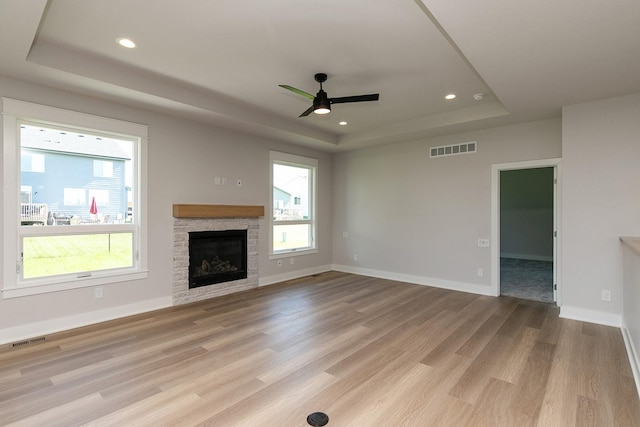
(189, 218)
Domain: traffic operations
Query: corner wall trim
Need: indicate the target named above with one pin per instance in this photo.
(634, 361)
(37, 329)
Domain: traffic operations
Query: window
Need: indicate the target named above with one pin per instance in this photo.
(293, 204)
(31, 162)
(72, 230)
(102, 169)
(25, 194)
(75, 197)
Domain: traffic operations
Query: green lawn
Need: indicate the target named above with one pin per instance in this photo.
(290, 236)
(55, 255)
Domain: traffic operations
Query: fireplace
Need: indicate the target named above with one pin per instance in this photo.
(217, 257)
(189, 219)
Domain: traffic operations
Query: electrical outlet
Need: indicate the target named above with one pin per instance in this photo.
(224, 181)
(480, 272)
(355, 257)
(483, 243)
(345, 234)
(606, 295)
(217, 180)
(279, 263)
(98, 292)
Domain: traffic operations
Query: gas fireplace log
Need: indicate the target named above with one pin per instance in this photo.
(215, 266)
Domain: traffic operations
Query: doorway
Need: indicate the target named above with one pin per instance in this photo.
(524, 230)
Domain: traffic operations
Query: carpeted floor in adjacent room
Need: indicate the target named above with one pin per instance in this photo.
(526, 279)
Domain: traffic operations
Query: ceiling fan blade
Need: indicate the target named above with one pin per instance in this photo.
(298, 91)
(307, 112)
(357, 98)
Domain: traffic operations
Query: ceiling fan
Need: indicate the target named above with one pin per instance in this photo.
(322, 103)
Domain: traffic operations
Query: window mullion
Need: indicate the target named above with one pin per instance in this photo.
(53, 230)
(292, 222)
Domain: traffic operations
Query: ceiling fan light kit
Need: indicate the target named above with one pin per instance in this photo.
(322, 103)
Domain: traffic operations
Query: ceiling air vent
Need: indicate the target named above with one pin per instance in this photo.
(27, 342)
(454, 150)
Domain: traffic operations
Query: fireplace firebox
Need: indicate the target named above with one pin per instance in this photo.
(217, 256)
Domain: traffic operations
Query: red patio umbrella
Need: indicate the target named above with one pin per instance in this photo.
(93, 210)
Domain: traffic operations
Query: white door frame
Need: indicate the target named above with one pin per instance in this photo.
(495, 219)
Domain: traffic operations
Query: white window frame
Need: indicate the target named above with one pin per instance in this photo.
(276, 157)
(14, 112)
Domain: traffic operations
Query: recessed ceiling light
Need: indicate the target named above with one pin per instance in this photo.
(343, 123)
(450, 96)
(128, 43)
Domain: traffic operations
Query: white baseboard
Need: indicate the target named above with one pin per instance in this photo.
(527, 257)
(418, 280)
(270, 280)
(591, 316)
(634, 361)
(38, 329)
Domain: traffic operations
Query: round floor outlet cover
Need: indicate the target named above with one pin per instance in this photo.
(317, 419)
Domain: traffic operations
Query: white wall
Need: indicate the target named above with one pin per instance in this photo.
(414, 218)
(600, 181)
(183, 159)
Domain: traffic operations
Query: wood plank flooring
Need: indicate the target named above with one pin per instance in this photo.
(367, 352)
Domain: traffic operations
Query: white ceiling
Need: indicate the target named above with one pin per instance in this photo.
(222, 61)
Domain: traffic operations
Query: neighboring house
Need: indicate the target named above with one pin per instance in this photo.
(60, 179)
(291, 203)
(282, 201)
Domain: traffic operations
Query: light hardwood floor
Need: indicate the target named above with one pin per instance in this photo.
(367, 352)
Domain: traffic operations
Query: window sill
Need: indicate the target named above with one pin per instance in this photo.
(290, 254)
(24, 290)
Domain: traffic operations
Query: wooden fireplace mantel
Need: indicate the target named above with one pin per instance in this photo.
(217, 211)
